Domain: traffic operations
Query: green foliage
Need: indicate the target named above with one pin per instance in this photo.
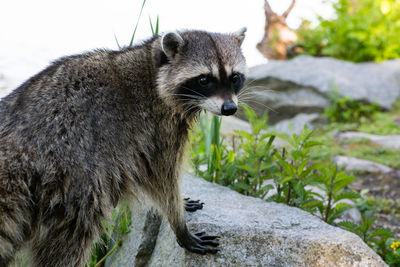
(379, 240)
(250, 164)
(111, 238)
(344, 109)
(208, 151)
(243, 165)
(155, 29)
(385, 156)
(363, 30)
(333, 184)
(381, 124)
(296, 173)
(254, 159)
(137, 24)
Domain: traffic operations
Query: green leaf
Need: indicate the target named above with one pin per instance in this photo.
(346, 195)
(382, 232)
(242, 186)
(288, 168)
(271, 135)
(312, 203)
(342, 181)
(231, 156)
(286, 179)
(137, 24)
(244, 134)
(267, 187)
(246, 168)
(116, 40)
(348, 225)
(312, 144)
(302, 165)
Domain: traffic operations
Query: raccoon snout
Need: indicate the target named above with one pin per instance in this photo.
(228, 108)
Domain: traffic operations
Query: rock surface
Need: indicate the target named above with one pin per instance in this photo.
(304, 84)
(388, 141)
(253, 233)
(355, 164)
(297, 123)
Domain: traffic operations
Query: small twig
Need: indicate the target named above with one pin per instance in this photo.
(288, 194)
(268, 10)
(286, 13)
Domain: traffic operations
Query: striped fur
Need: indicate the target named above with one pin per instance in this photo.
(96, 128)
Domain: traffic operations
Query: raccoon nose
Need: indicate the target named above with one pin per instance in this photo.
(228, 108)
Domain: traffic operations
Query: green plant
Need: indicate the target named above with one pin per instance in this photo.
(249, 161)
(296, 174)
(333, 184)
(111, 238)
(254, 159)
(208, 151)
(298, 179)
(381, 240)
(344, 109)
(136, 26)
(363, 30)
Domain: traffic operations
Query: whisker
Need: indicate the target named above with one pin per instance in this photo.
(250, 82)
(259, 103)
(247, 90)
(193, 91)
(195, 108)
(190, 96)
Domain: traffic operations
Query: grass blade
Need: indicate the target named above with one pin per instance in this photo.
(116, 40)
(137, 23)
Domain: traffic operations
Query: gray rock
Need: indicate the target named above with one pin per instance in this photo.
(253, 233)
(282, 99)
(296, 124)
(353, 215)
(304, 84)
(230, 124)
(388, 141)
(355, 164)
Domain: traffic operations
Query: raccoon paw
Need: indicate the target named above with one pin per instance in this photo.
(199, 243)
(193, 205)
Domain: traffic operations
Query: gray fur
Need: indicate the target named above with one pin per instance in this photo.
(171, 44)
(91, 130)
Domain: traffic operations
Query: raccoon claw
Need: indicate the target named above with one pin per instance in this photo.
(199, 243)
(207, 239)
(202, 236)
(192, 205)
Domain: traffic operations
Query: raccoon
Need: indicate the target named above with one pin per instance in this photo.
(93, 129)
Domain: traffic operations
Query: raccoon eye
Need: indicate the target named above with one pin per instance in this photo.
(204, 80)
(235, 79)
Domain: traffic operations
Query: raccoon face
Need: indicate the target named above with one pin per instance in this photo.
(202, 71)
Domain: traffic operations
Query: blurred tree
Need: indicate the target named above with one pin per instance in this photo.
(277, 35)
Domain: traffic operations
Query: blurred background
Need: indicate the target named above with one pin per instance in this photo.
(33, 33)
(320, 130)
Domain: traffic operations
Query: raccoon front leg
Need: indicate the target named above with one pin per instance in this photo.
(197, 243)
(14, 217)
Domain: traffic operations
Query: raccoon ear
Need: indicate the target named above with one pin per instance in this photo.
(171, 42)
(239, 35)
